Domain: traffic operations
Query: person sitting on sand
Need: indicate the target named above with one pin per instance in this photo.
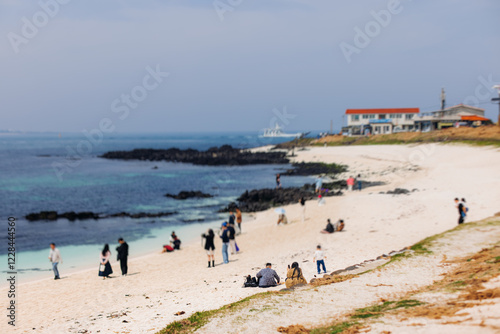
(339, 225)
(329, 227)
(282, 219)
(267, 277)
(175, 242)
(294, 276)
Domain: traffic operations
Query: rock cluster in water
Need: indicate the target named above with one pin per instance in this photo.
(224, 155)
(263, 199)
(189, 194)
(54, 215)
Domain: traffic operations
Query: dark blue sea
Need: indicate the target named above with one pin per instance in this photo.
(31, 180)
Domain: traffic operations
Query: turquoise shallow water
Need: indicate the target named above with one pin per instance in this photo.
(29, 184)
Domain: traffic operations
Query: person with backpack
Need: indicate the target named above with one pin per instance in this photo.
(294, 276)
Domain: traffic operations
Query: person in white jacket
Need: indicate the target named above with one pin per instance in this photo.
(55, 258)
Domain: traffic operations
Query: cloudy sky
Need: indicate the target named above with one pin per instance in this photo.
(68, 64)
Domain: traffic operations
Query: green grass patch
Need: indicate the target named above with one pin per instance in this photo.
(199, 319)
(376, 311)
(334, 329)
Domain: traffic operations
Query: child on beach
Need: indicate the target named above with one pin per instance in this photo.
(319, 258)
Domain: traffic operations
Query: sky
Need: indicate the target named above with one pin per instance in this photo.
(238, 65)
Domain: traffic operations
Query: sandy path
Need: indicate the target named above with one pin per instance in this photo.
(163, 284)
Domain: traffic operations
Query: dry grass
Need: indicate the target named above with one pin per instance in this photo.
(485, 135)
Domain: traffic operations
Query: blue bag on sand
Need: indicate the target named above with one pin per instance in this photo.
(237, 248)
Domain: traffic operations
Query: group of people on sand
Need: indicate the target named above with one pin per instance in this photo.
(332, 228)
(175, 244)
(227, 234)
(121, 255)
(353, 183)
(268, 277)
(105, 269)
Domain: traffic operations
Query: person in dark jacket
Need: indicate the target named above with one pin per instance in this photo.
(329, 227)
(225, 242)
(268, 277)
(122, 255)
(209, 246)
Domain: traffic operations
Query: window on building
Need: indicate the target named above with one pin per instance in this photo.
(354, 118)
(381, 116)
(409, 116)
(365, 116)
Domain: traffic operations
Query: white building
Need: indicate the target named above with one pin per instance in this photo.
(460, 114)
(380, 121)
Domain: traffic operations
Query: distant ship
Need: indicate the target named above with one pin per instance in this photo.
(277, 132)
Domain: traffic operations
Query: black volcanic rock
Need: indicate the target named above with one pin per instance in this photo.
(72, 216)
(398, 191)
(315, 168)
(189, 194)
(224, 155)
(263, 199)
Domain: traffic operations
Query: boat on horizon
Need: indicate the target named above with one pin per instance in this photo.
(277, 132)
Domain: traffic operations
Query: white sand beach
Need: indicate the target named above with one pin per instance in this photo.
(160, 285)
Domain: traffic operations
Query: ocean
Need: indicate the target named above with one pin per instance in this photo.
(29, 183)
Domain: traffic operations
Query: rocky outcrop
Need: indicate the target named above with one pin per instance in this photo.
(72, 216)
(224, 155)
(315, 168)
(263, 199)
(189, 194)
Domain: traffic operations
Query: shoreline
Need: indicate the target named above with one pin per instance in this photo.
(375, 224)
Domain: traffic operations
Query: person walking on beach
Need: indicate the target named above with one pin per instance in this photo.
(278, 181)
(350, 183)
(232, 218)
(319, 258)
(232, 238)
(210, 246)
(268, 277)
(302, 202)
(105, 267)
(461, 211)
(225, 242)
(358, 182)
(122, 256)
(319, 184)
(239, 219)
(55, 258)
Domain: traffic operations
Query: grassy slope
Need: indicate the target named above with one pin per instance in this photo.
(482, 136)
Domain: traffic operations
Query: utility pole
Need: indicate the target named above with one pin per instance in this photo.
(495, 99)
(443, 99)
